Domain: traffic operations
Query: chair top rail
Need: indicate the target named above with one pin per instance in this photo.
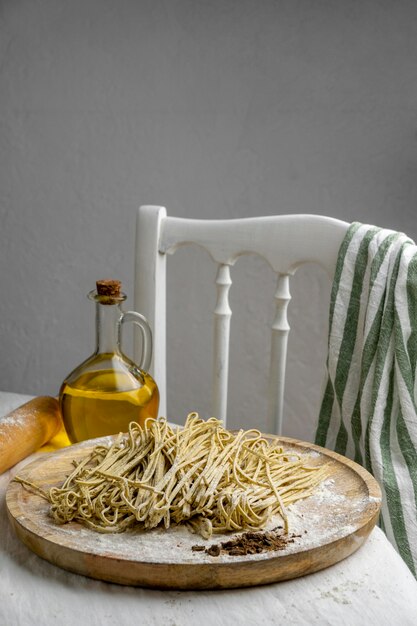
(303, 238)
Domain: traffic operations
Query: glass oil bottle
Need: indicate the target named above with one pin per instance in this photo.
(108, 390)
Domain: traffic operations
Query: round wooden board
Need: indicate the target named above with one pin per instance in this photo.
(329, 526)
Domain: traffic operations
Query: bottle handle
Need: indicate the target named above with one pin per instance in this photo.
(143, 324)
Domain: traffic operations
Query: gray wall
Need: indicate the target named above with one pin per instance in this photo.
(213, 108)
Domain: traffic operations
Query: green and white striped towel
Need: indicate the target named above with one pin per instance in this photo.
(369, 409)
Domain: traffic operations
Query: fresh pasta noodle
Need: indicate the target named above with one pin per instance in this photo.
(201, 475)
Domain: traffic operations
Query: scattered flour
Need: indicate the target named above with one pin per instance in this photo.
(336, 511)
(327, 516)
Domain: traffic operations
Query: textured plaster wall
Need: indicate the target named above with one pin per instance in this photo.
(213, 108)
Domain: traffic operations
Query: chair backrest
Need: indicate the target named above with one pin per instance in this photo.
(284, 241)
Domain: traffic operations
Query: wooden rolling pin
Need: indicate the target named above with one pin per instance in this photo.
(27, 428)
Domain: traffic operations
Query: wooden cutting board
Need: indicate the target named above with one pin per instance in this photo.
(328, 526)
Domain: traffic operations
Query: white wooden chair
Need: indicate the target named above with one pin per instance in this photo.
(284, 241)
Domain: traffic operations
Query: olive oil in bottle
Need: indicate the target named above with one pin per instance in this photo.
(108, 390)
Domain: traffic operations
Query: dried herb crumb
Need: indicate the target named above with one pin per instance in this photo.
(213, 550)
(249, 543)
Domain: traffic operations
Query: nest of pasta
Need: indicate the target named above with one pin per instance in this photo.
(201, 475)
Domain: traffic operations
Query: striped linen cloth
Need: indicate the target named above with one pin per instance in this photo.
(369, 409)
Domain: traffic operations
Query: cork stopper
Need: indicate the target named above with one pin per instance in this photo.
(109, 288)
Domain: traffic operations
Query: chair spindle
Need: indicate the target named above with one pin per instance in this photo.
(222, 314)
(280, 332)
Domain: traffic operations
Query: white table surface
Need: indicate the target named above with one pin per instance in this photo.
(372, 586)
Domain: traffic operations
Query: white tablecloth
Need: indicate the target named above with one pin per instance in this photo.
(371, 586)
